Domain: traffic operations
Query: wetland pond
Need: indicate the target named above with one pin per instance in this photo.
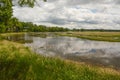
(76, 49)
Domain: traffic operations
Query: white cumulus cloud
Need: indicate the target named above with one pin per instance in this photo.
(87, 14)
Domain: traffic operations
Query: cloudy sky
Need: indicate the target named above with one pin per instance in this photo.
(87, 14)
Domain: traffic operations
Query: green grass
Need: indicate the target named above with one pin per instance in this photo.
(99, 36)
(19, 63)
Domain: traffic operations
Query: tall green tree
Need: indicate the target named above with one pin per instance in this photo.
(6, 12)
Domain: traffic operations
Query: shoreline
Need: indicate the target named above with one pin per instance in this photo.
(18, 59)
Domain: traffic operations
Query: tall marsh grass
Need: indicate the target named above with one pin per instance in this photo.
(19, 63)
(98, 36)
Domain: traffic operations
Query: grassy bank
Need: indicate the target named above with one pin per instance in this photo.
(9, 34)
(19, 63)
(99, 36)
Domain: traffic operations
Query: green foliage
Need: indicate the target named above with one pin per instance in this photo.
(7, 22)
(41, 28)
(5, 11)
(18, 63)
(5, 14)
(30, 3)
(2, 28)
(26, 2)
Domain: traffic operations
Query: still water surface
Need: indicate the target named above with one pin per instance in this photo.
(95, 52)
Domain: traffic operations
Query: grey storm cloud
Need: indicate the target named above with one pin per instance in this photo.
(93, 14)
(93, 1)
(117, 1)
(63, 21)
(80, 2)
(58, 21)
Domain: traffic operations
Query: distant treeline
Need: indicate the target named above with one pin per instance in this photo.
(42, 28)
(101, 30)
(14, 25)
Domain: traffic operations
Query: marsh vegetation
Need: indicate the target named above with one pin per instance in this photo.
(95, 35)
(19, 63)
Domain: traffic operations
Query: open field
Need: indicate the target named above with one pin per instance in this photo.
(19, 63)
(99, 36)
